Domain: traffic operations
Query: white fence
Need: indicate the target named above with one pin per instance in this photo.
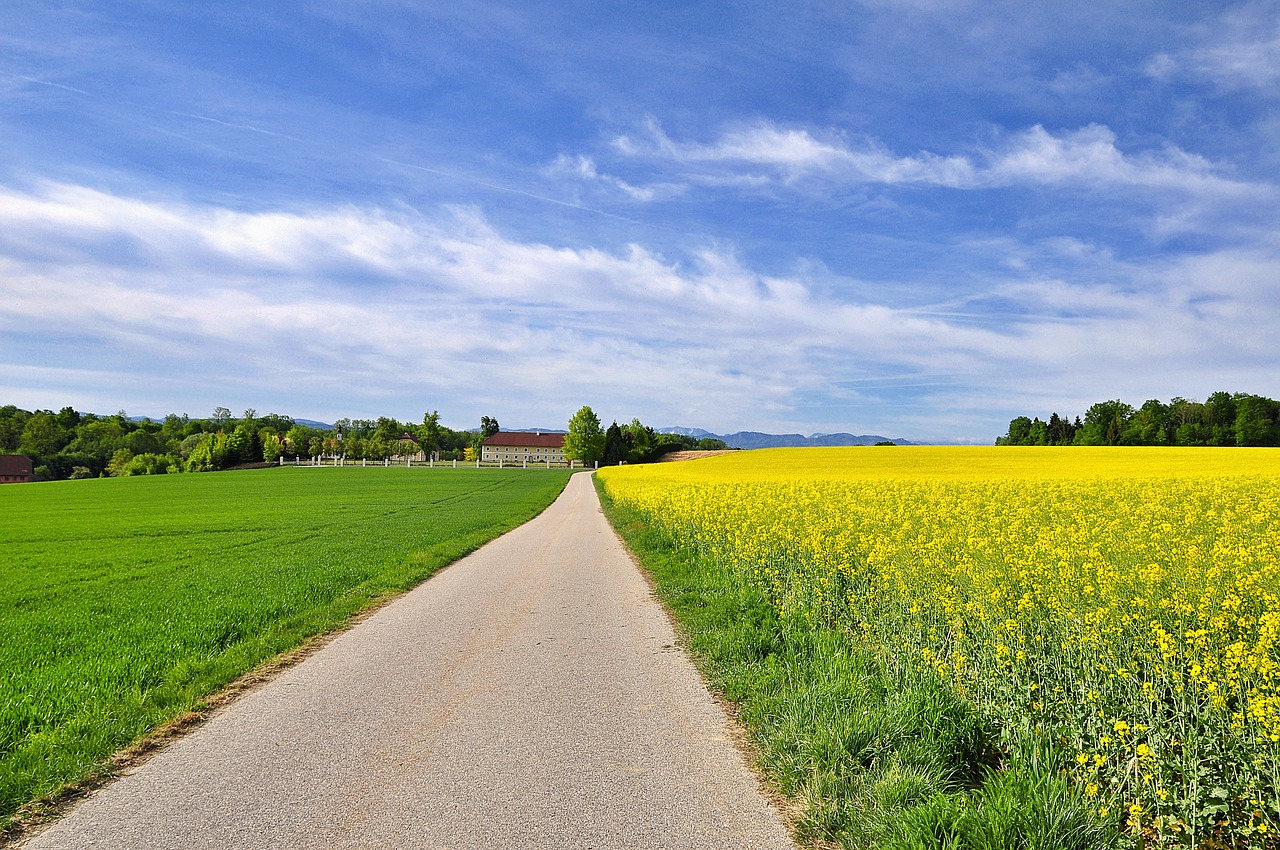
(341, 460)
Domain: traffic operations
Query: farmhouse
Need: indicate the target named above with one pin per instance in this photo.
(517, 446)
(14, 469)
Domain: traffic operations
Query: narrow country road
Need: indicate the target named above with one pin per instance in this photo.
(529, 696)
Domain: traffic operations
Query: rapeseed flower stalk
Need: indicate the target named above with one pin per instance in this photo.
(1124, 602)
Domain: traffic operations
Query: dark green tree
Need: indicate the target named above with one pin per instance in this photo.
(1220, 418)
(1060, 431)
(640, 441)
(1256, 421)
(1151, 425)
(12, 421)
(615, 446)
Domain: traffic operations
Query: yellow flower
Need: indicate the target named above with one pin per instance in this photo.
(1056, 589)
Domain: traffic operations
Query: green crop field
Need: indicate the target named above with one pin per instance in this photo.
(124, 602)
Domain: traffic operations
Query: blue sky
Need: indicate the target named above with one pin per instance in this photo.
(915, 218)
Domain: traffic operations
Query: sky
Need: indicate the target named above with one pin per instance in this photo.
(911, 218)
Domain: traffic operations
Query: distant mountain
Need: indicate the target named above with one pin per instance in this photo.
(758, 440)
(696, 433)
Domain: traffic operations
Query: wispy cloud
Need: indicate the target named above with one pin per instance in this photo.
(1241, 51)
(796, 153)
(583, 168)
(1088, 157)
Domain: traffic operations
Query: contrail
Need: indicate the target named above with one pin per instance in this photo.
(249, 127)
(47, 83)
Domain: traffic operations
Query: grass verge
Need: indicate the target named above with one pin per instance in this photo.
(126, 603)
(876, 754)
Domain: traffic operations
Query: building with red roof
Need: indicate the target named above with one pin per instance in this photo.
(520, 446)
(15, 469)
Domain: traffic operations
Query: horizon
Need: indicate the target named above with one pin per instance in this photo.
(911, 217)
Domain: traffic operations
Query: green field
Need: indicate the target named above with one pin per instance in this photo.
(124, 602)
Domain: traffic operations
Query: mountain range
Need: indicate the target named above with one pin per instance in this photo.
(758, 440)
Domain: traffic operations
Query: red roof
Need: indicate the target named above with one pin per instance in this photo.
(520, 439)
(15, 465)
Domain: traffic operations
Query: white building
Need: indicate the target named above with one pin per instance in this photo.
(518, 446)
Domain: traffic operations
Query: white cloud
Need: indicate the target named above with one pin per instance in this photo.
(584, 168)
(1088, 158)
(364, 308)
(1241, 50)
(797, 153)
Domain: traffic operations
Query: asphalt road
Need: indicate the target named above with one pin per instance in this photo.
(528, 696)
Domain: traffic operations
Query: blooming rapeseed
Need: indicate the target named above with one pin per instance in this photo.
(1124, 602)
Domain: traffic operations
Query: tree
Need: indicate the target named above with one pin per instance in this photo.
(430, 432)
(1019, 430)
(12, 421)
(1256, 421)
(43, 436)
(615, 448)
(1060, 432)
(143, 441)
(242, 447)
(271, 445)
(1220, 416)
(585, 440)
(1150, 426)
(1104, 423)
(1039, 433)
(174, 427)
(119, 464)
(640, 442)
(488, 427)
(388, 430)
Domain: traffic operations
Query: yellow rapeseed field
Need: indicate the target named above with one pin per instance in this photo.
(1123, 602)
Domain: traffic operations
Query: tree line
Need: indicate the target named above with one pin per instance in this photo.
(1224, 419)
(70, 444)
(634, 442)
